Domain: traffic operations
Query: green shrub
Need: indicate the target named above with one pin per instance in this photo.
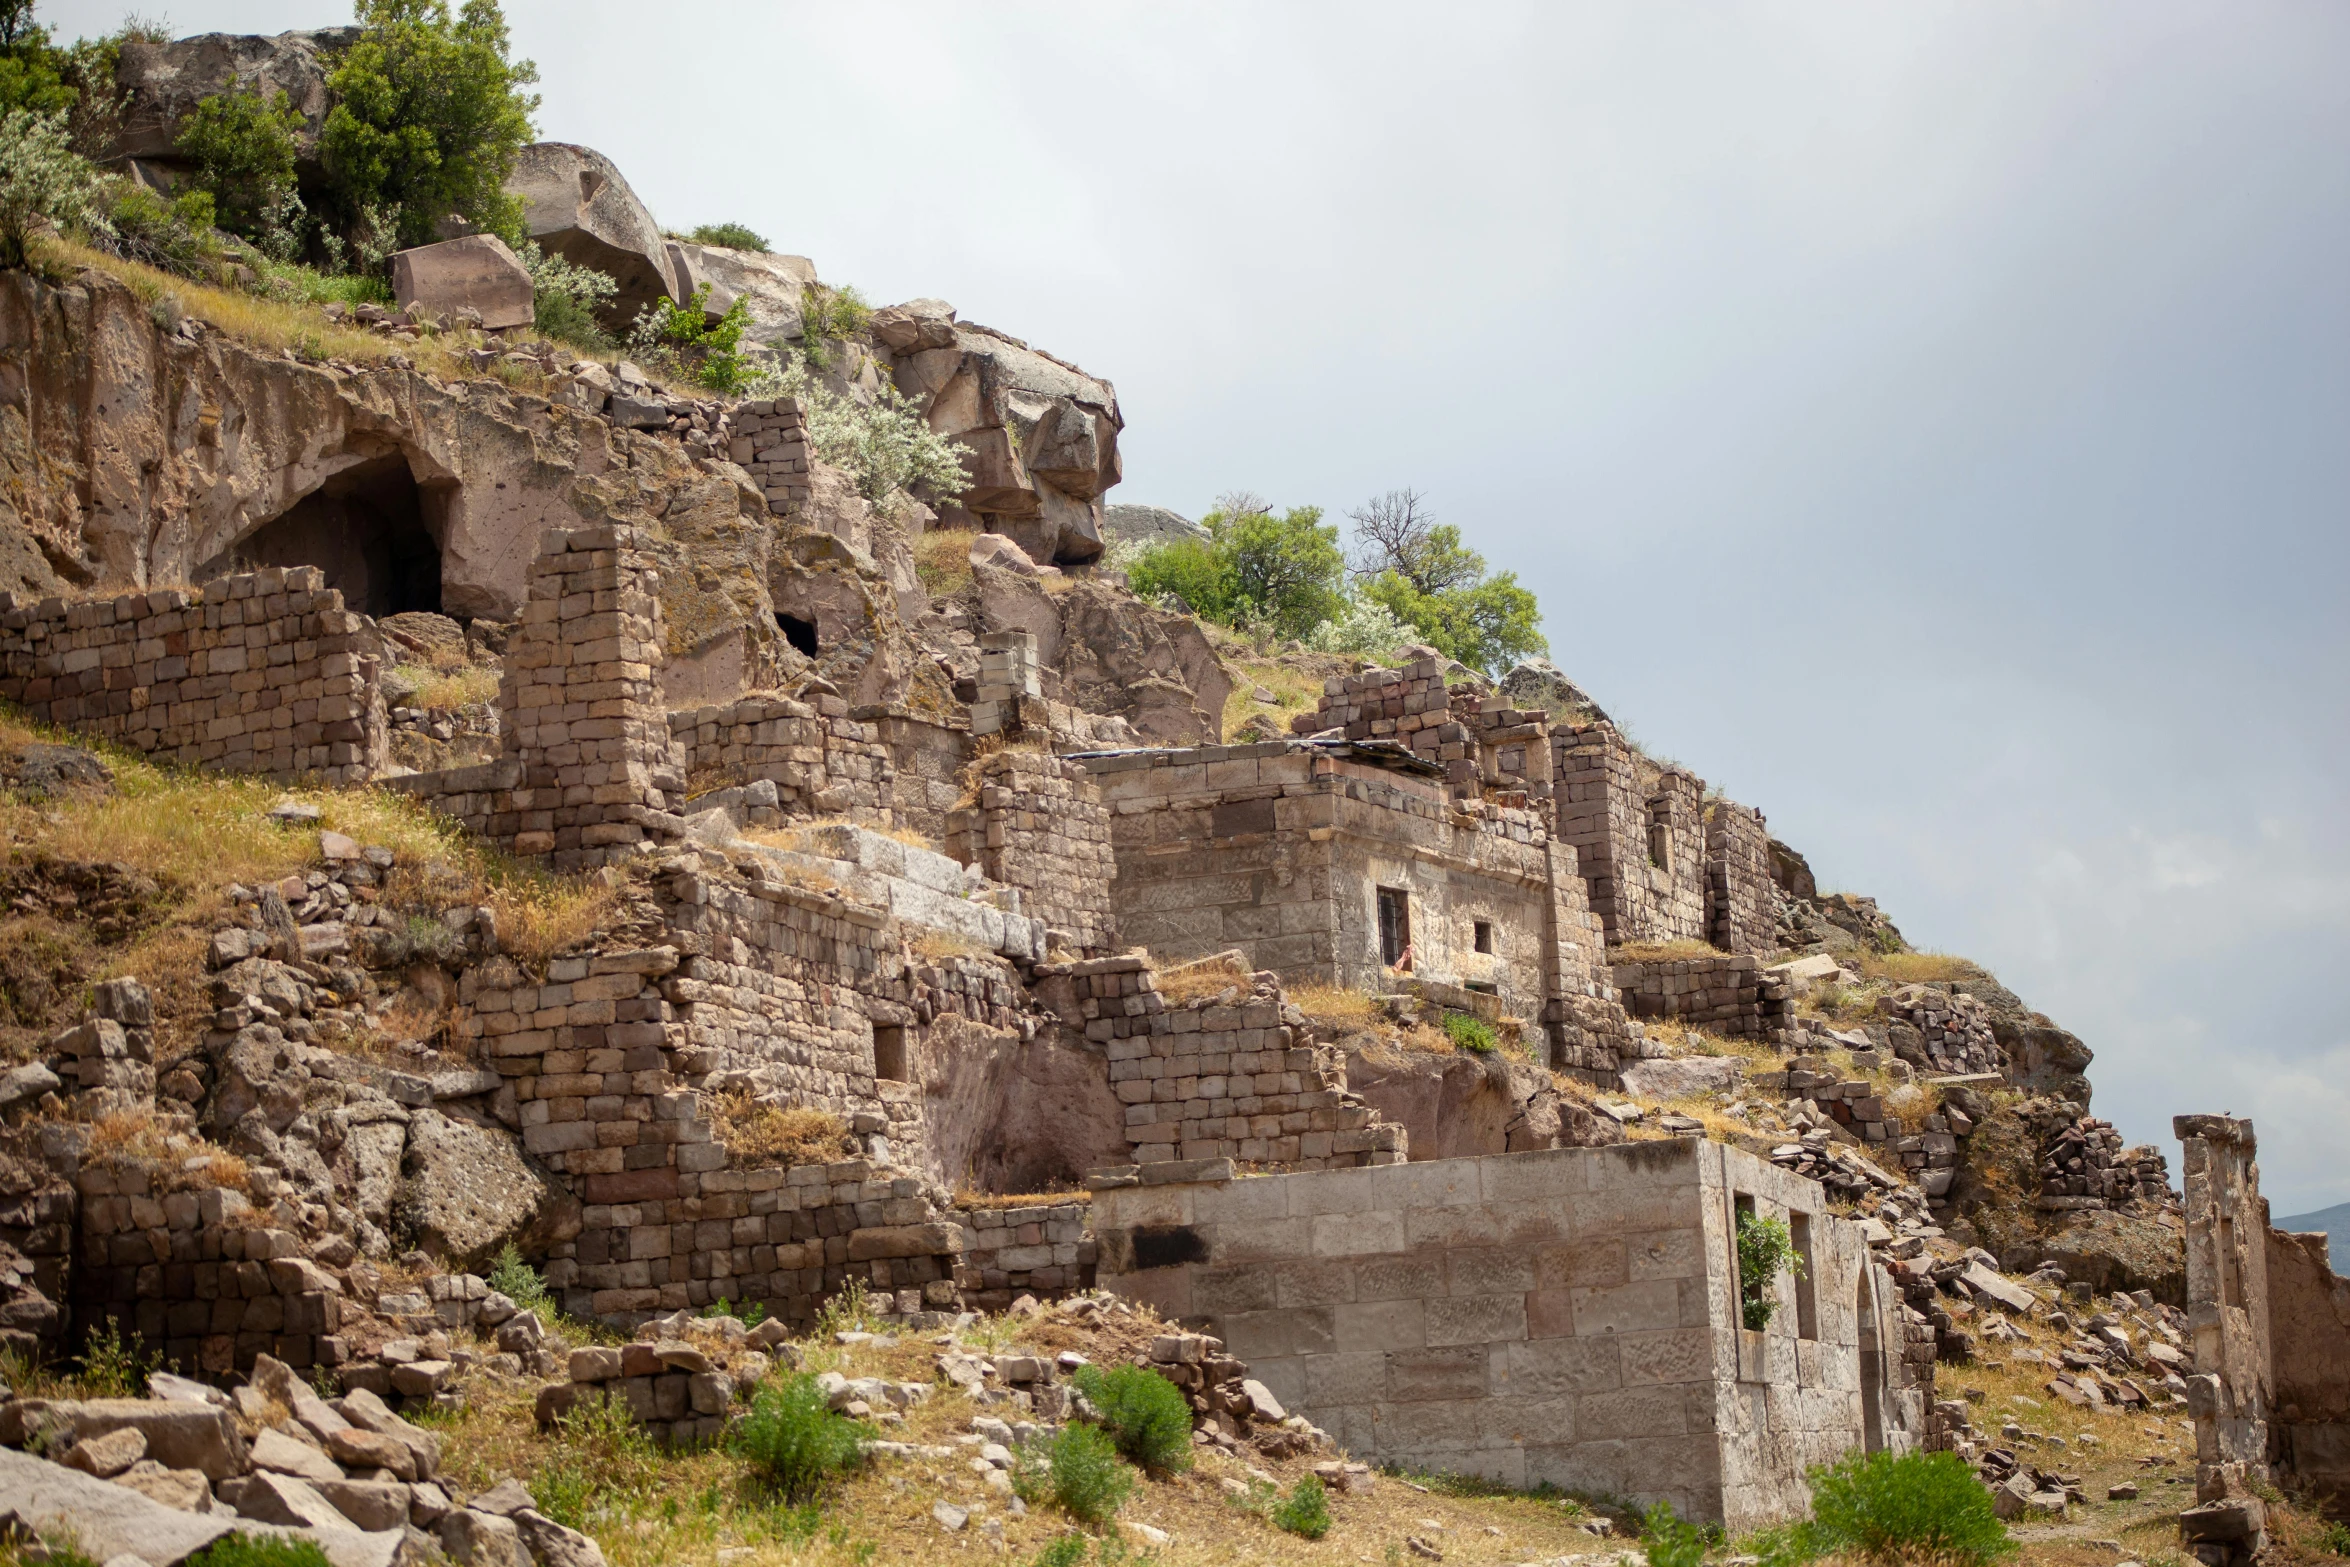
(175, 236)
(303, 285)
(600, 1455)
(1471, 1032)
(1885, 1506)
(684, 339)
(1064, 1551)
(243, 147)
(263, 1550)
(1280, 574)
(1669, 1540)
(750, 1314)
(885, 445)
(1305, 1512)
(829, 315)
(1765, 1250)
(1078, 1469)
(2334, 1539)
(514, 1278)
(113, 1367)
(43, 180)
(565, 298)
(1144, 1413)
(1419, 571)
(429, 115)
(794, 1441)
(733, 236)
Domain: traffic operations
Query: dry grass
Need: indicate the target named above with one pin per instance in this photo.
(1294, 691)
(445, 692)
(264, 323)
(944, 946)
(1662, 951)
(181, 1161)
(1329, 1007)
(760, 1134)
(942, 561)
(1197, 980)
(1916, 968)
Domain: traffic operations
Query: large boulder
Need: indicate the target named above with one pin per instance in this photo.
(162, 83)
(577, 206)
(772, 284)
(1041, 435)
(467, 1190)
(476, 272)
(1147, 525)
(1540, 685)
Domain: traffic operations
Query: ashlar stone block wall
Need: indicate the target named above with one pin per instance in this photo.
(1637, 832)
(1568, 1316)
(1741, 899)
(2309, 1340)
(1726, 994)
(264, 672)
(1038, 824)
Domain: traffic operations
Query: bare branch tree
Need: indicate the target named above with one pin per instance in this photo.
(1389, 532)
(1236, 504)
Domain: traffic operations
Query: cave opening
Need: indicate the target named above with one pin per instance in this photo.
(366, 529)
(799, 633)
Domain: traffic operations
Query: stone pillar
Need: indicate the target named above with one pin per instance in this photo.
(582, 703)
(2227, 1312)
(1008, 678)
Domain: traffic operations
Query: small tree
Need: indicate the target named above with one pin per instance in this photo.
(42, 179)
(1765, 1250)
(243, 147)
(429, 117)
(1421, 572)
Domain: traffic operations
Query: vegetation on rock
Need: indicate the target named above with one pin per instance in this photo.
(1765, 1250)
(243, 147)
(42, 179)
(1144, 1413)
(794, 1441)
(1889, 1506)
(732, 236)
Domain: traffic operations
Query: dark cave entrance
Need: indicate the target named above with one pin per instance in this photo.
(366, 529)
(799, 633)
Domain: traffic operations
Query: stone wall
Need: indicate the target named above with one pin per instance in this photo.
(1410, 707)
(1724, 995)
(2309, 1336)
(1741, 899)
(1038, 824)
(1044, 1249)
(1232, 1075)
(265, 672)
(1638, 841)
(1566, 1316)
(821, 761)
(769, 438)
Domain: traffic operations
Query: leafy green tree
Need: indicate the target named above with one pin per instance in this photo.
(1421, 572)
(243, 147)
(1283, 573)
(430, 116)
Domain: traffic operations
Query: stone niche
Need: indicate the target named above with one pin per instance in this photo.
(371, 528)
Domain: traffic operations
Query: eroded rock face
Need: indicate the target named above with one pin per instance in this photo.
(476, 273)
(577, 206)
(1042, 435)
(1466, 1106)
(163, 83)
(134, 456)
(1147, 525)
(773, 284)
(1538, 684)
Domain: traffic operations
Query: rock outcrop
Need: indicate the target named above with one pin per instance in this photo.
(577, 205)
(162, 83)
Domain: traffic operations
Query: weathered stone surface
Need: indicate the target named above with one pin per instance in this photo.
(368, 1504)
(109, 1455)
(577, 205)
(1147, 525)
(183, 1490)
(772, 283)
(476, 272)
(163, 82)
(277, 1451)
(1540, 684)
(373, 1450)
(179, 1436)
(483, 1540)
(281, 1499)
(467, 1190)
(1678, 1077)
(107, 1519)
(553, 1545)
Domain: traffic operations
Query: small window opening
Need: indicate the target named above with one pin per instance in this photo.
(2231, 1268)
(1660, 835)
(1807, 1311)
(889, 1053)
(799, 633)
(1481, 935)
(1395, 925)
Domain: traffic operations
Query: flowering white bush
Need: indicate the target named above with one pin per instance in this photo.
(1365, 627)
(42, 179)
(884, 445)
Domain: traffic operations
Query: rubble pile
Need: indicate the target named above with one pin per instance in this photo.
(2084, 1165)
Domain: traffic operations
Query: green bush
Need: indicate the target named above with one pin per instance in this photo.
(264, 1550)
(829, 315)
(429, 115)
(1669, 1540)
(600, 1455)
(175, 236)
(1471, 1032)
(1279, 574)
(1063, 1551)
(1884, 1506)
(243, 147)
(750, 1314)
(565, 298)
(43, 180)
(2334, 1539)
(794, 1441)
(1078, 1469)
(733, 236)
(1144, 1413)
(685, 340)
(514, 1278)
(1305, 1512)
(1419, 571)
(885, 445)
(1765, 1250)
(112, 1366)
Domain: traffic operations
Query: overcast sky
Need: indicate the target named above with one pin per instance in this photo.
(1930, 423)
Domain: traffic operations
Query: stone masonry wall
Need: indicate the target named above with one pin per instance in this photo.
(2309, 1336)
(769, 438)
(1741, 899)
(1039, 825)
(2230, 1394)
(264, 672)
(1410, 707)
(1726, 994)
(1563, 1316)
(1234, 1075)
(1044, 1249)
(1644, 873)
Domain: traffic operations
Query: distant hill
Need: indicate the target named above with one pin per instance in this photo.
(2335, 1221)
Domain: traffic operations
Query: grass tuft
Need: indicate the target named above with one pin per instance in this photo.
(1078, 1469)
(794, 1442)
(1143, 1412)
(760, 1134)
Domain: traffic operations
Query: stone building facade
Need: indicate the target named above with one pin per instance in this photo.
(1571, 1316)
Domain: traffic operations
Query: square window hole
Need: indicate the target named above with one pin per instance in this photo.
(889, 1053)
(1482, 935)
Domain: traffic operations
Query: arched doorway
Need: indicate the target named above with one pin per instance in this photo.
(366, 529)
(1872, 1364)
